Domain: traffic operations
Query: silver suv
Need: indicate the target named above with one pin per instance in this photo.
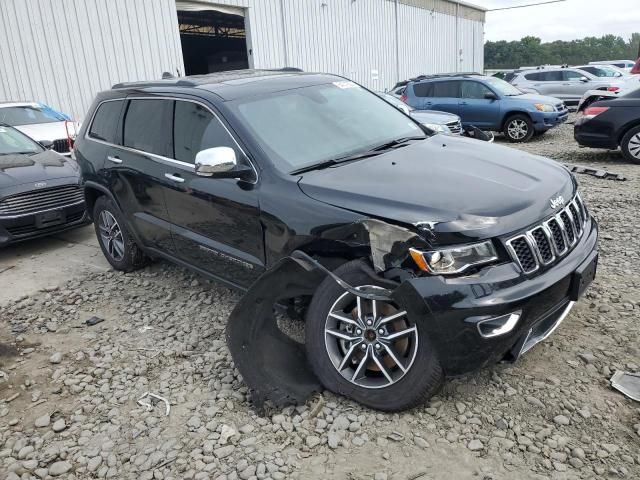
(568, 84)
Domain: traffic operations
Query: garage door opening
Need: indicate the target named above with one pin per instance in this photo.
(213, 38)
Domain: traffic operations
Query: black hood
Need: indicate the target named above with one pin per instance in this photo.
(461, 189)
(29, 169)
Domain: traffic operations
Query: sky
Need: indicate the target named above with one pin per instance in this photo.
(568, 20)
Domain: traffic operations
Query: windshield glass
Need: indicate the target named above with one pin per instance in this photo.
(311, 125)
(503, 87)
(396, 102)
(12, 141)
(29, 115)
(604, 71)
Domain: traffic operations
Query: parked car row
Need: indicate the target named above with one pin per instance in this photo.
(488, 103)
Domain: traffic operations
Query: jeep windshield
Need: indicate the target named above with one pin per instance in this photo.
(503, 87)
(322, 125)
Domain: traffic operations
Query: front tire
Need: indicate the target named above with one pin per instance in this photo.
(518, 128)
(631, 145)
(117, 244)
(369, 351)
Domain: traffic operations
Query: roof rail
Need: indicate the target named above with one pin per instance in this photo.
(178, 82)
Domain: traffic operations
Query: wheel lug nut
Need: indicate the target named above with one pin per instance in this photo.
(369, 322)
(363, 346)
(359, 332)
(381, 331)
(378, 346)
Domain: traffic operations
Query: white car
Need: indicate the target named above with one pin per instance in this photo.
(625, 65)
(630, 83)
(41, 123)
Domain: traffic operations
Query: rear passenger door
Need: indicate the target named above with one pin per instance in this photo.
(550, 83)
(475, 108)
(421, 98)
(215, 221)
(135, 171)
(446, 96)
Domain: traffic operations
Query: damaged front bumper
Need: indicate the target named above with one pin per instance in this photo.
(451, 308)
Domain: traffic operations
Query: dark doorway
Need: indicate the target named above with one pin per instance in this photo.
(212, 41)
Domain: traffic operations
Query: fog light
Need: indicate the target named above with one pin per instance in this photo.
(496, 326)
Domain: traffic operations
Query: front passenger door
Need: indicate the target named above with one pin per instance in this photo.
(476, 109)
(215, 221)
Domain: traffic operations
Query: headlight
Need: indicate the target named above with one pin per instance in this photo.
(453, 260)
(437, 127)
(544, 107)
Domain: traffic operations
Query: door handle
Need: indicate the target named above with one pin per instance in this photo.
(174, 178)
(114, 159)
(463, 103)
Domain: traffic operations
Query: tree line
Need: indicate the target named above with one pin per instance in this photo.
(530, 51)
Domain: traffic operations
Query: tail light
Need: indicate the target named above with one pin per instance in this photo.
(403, 98)
(613, 89)
(591, 112)
(72, 129)
(636, 68)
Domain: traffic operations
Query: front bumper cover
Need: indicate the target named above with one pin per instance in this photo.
(276, 369)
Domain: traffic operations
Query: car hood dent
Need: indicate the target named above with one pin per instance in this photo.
(22, 169)
(452, 189)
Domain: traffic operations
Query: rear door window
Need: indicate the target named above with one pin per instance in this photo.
(423, 89)
(195, 128)
(551, 76)
(105, 121)
(148, 126)
(446, 89)
(533, 76)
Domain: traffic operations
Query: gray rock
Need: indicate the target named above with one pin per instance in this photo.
(42, 421)
(475, 445)
(224, 452)
(94, 463)
(312, 441)
(59, 425)
(55, 358)
(59, 468)
(561, 420)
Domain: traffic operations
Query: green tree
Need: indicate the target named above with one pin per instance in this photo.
(531, 51)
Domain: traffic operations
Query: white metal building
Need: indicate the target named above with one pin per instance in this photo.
(61, 52)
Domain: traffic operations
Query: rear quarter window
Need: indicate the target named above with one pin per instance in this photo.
(423, 89)
(105, 121)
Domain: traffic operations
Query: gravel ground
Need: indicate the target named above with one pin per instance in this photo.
(68, 391)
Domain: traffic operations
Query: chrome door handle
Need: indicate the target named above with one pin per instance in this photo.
(174, 178)
(114, 159)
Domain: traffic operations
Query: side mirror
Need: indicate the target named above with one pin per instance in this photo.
(47, 144)
(219, 162)
(490, 96)
(584, 79)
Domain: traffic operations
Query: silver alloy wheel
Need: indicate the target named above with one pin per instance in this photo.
(518, 129)
(111, 235)
(634, 146)
(372, 344)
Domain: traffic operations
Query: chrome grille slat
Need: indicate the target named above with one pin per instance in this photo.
(455, 126)
(555, 237)
(40, 200)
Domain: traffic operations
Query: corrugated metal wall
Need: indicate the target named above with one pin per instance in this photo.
(61, 52)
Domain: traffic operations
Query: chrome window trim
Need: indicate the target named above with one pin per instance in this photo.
(162, 158)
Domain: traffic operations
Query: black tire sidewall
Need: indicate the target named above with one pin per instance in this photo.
(530, 131)
(127, 263)
(624, 144)
(422, 381)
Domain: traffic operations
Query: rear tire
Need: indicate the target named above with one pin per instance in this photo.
(117, 244)
(630, 145)
(398, 373)
(518, 128)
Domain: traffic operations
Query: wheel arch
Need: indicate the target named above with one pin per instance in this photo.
(511, 113)
(624, 130)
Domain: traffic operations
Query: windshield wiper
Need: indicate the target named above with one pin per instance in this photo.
(377, 150)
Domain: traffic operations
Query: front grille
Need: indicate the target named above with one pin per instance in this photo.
(62, 145)
(40, 200)
(551, 240)
(455, 126)
(31, 228)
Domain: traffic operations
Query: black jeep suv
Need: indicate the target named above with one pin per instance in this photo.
(413, 256)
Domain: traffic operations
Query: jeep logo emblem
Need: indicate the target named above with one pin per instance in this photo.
(40, 184)
(556, 202)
